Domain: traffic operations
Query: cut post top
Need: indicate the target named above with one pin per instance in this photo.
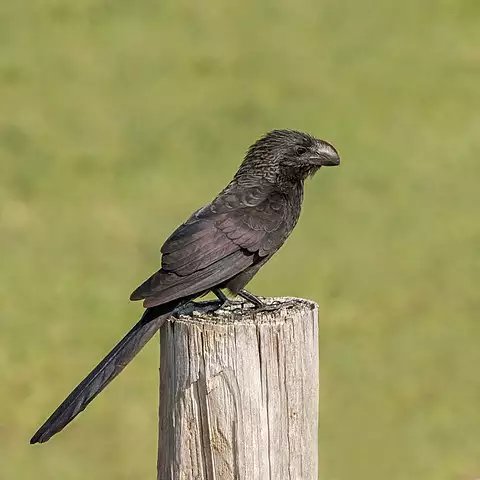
(242, 312)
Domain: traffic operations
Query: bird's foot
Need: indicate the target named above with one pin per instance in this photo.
(261, 306)
(250, 297)
(265, 308)
(208, 306)
(272, 307)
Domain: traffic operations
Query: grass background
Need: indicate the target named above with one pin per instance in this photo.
(119, 118)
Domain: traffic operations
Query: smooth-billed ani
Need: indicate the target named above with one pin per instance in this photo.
(221, 246)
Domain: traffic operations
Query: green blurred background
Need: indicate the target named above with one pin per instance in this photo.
(119, 118)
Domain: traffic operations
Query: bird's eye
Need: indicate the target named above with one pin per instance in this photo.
(300, 150)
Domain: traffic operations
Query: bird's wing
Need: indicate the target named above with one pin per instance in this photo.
(163, 286)
(217, 243)
(257, 223)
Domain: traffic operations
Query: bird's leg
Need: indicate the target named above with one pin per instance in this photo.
(250, 297)
(220, 295)
(262, 306)
(209, 306)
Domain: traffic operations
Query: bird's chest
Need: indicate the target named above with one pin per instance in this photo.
(293, 199)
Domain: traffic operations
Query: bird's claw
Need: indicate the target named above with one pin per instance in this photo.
(274, 306)
(208, 306)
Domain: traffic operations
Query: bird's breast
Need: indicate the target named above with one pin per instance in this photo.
(294, 199)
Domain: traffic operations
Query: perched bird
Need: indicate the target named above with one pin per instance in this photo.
(221, 246)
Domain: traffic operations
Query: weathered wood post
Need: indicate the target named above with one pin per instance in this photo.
(239, 394)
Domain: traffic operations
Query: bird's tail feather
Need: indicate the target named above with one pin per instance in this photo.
(106, 370)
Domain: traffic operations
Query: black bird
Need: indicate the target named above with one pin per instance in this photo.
(221, 246)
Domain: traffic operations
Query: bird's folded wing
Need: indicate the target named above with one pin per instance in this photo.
(217, 243)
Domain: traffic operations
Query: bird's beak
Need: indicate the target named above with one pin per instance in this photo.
(325, 156)
(326, 159)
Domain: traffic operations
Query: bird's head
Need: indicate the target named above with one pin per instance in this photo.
(290, 154)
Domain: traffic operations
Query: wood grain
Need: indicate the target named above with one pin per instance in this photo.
(239, 394)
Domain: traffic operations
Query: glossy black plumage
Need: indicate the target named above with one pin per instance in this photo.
(222, 245)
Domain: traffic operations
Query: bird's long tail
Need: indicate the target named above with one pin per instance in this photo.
(107, 369)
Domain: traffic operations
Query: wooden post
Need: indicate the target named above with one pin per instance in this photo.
(239, 394)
